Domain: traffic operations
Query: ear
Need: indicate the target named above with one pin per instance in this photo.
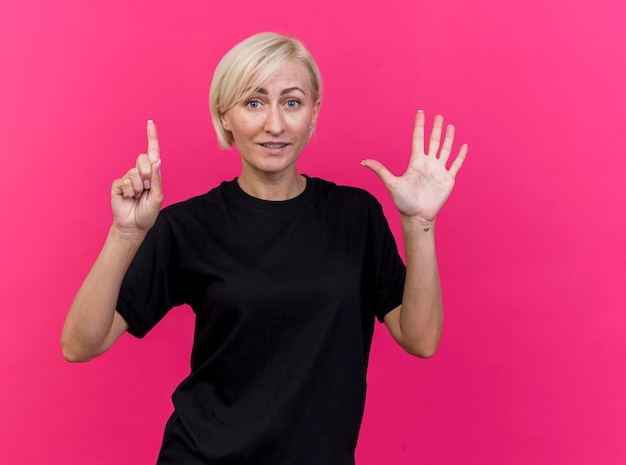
(316, 112)
(224, 121)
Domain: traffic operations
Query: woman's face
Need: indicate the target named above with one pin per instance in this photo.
(274, 124)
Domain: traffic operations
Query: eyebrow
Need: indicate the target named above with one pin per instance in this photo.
(263, 91)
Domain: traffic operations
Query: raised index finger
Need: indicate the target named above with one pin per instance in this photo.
(154, 153)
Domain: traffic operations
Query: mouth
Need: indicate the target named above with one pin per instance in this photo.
(274, 145)
(274, 148)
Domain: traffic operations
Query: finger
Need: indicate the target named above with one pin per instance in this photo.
(156, 192)
(418, 133)
(435, 135)
(116, 187)
(458, 161)
(144, 167)
(379, 169)
(154, 151)
(127, 189)
(132, 184)
(446, 148)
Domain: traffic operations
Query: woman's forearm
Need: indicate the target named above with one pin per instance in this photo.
(92, 324)
(421, 315)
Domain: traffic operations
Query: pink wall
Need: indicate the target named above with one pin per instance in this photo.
(532, 249)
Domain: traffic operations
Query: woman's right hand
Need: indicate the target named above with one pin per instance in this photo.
(136, 197)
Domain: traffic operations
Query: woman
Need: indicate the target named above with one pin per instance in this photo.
(286, 273)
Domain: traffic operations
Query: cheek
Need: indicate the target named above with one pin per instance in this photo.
(236, 120)
(302, 124)
(241, 127)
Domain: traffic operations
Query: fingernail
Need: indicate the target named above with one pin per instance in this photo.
(420, 111)
(146, 184)
(150, 121)
(363, 162)
(158, 165)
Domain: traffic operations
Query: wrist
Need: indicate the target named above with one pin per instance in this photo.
(418, 223)
(119, 249)
(124, 234)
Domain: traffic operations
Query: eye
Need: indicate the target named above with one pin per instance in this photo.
(292, 103)
(253, 104)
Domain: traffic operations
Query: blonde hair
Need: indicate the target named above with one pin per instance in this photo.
(247, 66)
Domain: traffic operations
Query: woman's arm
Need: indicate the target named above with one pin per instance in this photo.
(416, 324)
(419, 195)
(93, 324)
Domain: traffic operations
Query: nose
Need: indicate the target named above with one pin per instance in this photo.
(274, 121)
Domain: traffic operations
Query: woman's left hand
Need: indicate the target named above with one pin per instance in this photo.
(423, 189)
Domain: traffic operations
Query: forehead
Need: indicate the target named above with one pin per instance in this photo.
(292, 74)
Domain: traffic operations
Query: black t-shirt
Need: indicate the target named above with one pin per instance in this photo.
(285, 296)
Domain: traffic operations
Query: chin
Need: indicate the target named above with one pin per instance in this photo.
(274, 165)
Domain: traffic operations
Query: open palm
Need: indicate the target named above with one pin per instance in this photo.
(423, 189)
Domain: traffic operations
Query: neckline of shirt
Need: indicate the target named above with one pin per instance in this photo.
(248, 201)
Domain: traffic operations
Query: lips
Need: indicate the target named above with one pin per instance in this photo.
(274, 145)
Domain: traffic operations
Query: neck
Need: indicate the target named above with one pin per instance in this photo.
(274, 188)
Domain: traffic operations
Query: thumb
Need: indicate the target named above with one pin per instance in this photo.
(379, 169)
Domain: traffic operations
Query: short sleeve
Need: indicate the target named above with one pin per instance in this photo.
(152, 285)
(390, 268)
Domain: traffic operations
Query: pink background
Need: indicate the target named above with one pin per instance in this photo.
(532, 243)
